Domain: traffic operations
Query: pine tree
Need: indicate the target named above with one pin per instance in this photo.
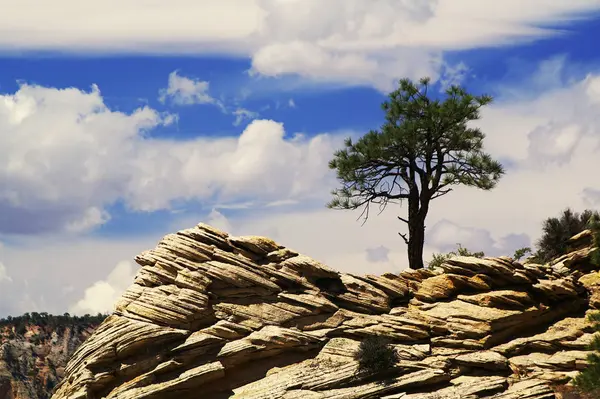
(424, 147)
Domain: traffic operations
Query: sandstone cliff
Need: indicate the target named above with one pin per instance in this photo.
(215, 316)
(32, 361)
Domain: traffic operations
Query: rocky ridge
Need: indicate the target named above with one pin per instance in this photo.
(215, 316)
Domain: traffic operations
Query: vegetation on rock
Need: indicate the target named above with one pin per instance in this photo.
(18, 324)
(424, 147)
(438, 259)
(375, 355)
(589, 379)
(519, 253)
(556, 232)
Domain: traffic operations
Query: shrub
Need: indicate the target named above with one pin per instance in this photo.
(438, 259)
(375, 355)
(557, 231)
(519, 253)
(594, 226)
(589, 379)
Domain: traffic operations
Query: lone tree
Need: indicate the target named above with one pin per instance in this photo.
(423, 148)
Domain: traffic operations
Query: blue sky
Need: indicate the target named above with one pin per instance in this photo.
(111, 138)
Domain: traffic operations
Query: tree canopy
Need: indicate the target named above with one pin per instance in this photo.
(424, 147)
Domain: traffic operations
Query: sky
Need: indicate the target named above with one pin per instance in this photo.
(123, 121)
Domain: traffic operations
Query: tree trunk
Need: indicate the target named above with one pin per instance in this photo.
(416, 241)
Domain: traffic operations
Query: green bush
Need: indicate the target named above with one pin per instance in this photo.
(589, 379)
(557, 231)
(519, 253)
(594, 226)
(438, 259)
(375, 355)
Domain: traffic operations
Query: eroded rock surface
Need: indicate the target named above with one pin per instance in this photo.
(215, 316)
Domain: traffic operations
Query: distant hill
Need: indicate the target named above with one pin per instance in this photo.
(34, 349)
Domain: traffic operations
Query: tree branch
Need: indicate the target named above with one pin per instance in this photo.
(404, 237)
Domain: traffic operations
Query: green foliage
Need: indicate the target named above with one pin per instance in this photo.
(519, 253)
(375, 355)
(424, 147)
(50, 384)
(438, 259)
(55, 323)
(594, 226)
(557, 231)
(589, 379)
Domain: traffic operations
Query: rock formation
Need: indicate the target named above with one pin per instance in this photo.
(215, 316)
(32, 362)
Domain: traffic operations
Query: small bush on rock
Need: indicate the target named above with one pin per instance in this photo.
(438, 259)
(375, 355)
(519, 253)
(557, 231)
(589, 379)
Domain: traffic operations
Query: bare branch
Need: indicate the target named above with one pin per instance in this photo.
(439, 193)
(404, 237)
(402, 219)
(365, 211)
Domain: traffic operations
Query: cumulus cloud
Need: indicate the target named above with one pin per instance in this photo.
(446, 236)
(51, 273)
(61, 153)
(186, 91)
(349, 41)
(66, 157)
(102, 295)
(554, 142)
(4, 277)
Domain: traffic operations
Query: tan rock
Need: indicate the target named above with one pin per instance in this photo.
(243, 317)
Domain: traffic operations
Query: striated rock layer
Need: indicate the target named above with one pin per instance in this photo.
(215, 316)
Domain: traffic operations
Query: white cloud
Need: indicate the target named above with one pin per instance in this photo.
(446, 236)
(91, 218)
(52, 273)
(349, 41)
(218, 220)
(242, 114)
(101, 296)
(66, 157)
(453, 75)
(186, 91)
(291, 103)
(4, 277)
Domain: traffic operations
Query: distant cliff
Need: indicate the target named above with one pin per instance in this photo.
(34, 349)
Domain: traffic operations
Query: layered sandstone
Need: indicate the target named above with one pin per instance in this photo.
(215, 316)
